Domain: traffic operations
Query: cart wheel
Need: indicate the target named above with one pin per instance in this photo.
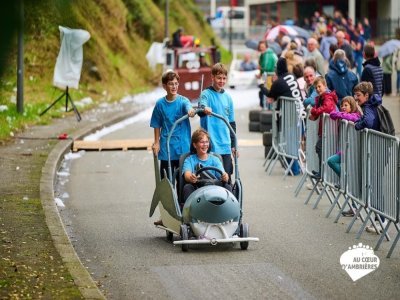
(184, 236)
(244, 232)
(170, 236)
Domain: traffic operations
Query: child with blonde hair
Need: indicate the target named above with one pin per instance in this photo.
(349, 111)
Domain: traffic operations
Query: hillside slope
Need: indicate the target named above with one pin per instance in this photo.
(114, 57)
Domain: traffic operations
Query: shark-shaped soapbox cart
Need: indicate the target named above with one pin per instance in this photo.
(211, 214)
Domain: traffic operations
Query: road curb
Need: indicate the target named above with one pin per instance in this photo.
(79, 273)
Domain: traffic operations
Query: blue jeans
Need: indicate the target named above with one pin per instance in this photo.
(334, 163)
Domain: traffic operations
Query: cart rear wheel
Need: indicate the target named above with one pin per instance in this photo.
(170, 236)
(244, 232)
(184, 237)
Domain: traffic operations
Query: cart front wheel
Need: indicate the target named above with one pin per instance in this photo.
(170, 236)
(244, 232)
(184, 237)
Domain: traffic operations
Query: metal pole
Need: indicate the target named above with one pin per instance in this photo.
(20, 60)
(230, 28)
(166, 18)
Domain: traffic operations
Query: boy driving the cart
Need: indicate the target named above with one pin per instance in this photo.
(215, 99)
(202, 159)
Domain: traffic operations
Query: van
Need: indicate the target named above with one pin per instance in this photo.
(222, 21)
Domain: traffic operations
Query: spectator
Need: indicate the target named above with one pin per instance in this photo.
(325, 103)
(299, 73)
(176, 38)
(285, 85)
(344, 45)
(358, 46)
(326, 42)
(247, 64)
(387, 67)
(293, 56)
(332, 49)
(363, 93)
(372, 71)
(312, 46)
(311, 93)
(339, 77)
(397, 66)
(202, 60)
(367, 29)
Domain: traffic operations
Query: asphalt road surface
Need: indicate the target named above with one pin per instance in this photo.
(107, 199)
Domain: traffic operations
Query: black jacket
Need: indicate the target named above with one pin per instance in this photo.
(373, 73)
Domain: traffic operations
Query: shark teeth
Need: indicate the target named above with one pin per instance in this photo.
(223, 223)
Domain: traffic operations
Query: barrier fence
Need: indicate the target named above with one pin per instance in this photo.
(369, 167)
(286, 134)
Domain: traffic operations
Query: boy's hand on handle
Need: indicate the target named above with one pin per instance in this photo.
(225, 177)
(207, 110)
(156, 148)
(191, 113)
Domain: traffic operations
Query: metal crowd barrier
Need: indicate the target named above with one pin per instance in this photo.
(311, 137)
(330, 146)
(287, 124)
(370, 173)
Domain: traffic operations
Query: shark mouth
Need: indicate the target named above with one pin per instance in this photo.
(222, 230)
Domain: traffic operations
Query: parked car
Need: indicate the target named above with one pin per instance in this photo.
(237, 76)
(193, 65)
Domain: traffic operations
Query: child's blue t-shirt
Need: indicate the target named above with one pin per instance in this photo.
(193, 160)
(164, 115)
(221, 103)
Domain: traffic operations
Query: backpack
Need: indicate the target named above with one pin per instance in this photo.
(385, 120)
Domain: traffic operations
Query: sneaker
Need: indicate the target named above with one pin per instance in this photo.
(371, 228)
(349, 213)
(316, 175)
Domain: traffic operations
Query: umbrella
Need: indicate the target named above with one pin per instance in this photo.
(290, 30)
(275, 47)
(252, 44)
(388, 48)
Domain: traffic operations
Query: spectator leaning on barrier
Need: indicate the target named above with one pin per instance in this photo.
(325, 103)
(285, 85)
(372, 71)
(309, 77)
(339, 77)
(363, 93)
(349, 111)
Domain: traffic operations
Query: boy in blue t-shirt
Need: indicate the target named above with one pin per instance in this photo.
(167, 110)
(216, 99)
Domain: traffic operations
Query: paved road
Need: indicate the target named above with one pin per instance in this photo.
(106, 215)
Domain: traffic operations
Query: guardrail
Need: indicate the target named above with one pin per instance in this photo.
(369, 173)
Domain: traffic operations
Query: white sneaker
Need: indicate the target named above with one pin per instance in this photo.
(371, 228)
